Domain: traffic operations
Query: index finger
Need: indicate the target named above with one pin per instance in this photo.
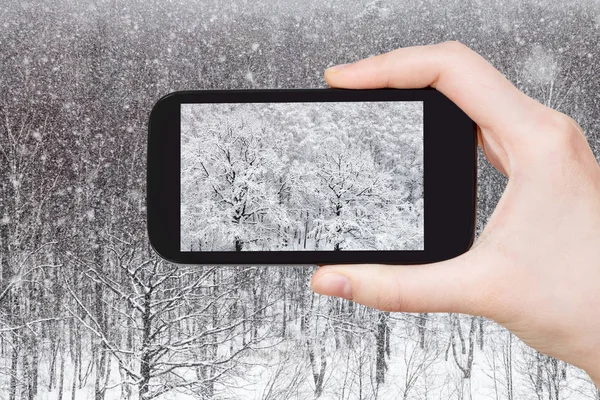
(465, 77)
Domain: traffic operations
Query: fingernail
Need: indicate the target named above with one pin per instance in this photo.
(337, 68)
(333, 285)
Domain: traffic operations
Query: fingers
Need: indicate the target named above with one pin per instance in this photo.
(465, 77)
(458, 285)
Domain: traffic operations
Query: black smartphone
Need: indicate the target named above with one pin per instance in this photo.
(316, 176)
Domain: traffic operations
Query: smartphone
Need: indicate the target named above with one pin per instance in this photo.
(316, 176)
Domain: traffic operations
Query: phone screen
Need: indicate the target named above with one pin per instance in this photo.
(323, 176)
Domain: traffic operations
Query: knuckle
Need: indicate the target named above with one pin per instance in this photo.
(557, 122)
(451, 54)
(385, 60)
(559, 135)
(385, 303)
(453, 46)
(389, 296)
(385, 64)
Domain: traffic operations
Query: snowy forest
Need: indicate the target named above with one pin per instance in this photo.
(302, 176)
(88, 311)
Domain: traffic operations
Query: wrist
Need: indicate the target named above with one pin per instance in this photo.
(595, 377)
(588, 360)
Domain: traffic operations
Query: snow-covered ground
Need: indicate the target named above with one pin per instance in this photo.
(281, 371)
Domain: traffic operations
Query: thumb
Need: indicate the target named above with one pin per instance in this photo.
(458, 285)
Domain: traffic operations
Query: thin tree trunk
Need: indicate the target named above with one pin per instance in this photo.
(284, 314)
(53, 357)
(423, 317)
(380, 340)
(12, 393)
(508, 366)
(28, 383)
(76, 374)
(467, 394)
(480, 341)
(125, 386)
(61, 378)
(34, 367)
(538, 377)
(144, 385)
(99, 388)
(306, 229)
(77, 356)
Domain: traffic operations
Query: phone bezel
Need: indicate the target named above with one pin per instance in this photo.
(450, 177)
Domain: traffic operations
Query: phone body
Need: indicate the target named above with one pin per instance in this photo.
(314, 176)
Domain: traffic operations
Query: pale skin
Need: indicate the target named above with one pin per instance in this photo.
(535, 268)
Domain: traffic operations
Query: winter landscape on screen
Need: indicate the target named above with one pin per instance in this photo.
(302, 176)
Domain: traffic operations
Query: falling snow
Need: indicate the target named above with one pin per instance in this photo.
(85, 305)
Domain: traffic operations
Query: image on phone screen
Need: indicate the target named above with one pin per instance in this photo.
(323, 176)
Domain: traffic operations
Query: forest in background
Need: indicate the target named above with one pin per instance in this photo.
(302, 176)
(88, 311)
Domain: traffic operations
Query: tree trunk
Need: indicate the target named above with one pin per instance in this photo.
(144, 385)
(480, 341)
(125, 386)
(61, 377)
(467, 349)
(53, 357)
(508, 367)
(423, 317)
(100, 314)
(12, 392)
(306, 229)
(318, 370)
(538, 376)
(34, 367)
(284, 314)
(467, 394)
(380, 341)
(99, 387)
(27, 378)
(76, 374)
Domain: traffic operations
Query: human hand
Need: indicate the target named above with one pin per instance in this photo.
(535, 269)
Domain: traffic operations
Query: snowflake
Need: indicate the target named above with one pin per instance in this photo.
(90, 214)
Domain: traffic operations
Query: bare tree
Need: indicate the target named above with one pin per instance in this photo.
(463, 357)
(174, 340)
